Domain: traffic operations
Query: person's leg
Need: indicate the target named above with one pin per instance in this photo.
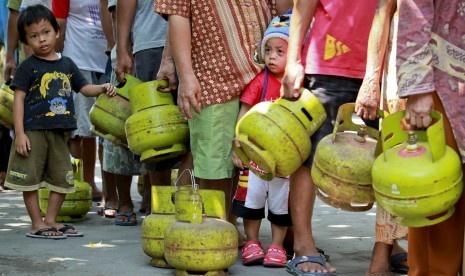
(211, 133)
(380, 258)
(145, 205)
(110, 207)
(83, 142)
(33, 170)
(55, 201)
(252, 228)
(84, 148)
(252, 251)
(57, 176)
(275, 253)
(250, 205)
(278, 233)
(187, 163)
(437, 249)
(125, 204)
(288, 242)
(302, 199)
(75, 147)
(331, 92)
(100, 159)
(278, 209)
(31, 200)
(120, 162)
(387, 234)
(89, 157)
(233, 218)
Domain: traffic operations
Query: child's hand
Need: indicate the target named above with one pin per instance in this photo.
(22, 144)
(236, 160)
(109, 89)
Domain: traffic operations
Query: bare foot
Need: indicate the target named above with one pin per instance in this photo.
(380, 258)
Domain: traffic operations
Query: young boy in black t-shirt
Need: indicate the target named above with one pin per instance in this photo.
(43, 112)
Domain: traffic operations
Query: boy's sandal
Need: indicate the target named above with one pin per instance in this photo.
(252, 253)
(66, 231)
(275, 256)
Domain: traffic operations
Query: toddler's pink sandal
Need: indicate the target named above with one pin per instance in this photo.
(252, 253)
(275, 256)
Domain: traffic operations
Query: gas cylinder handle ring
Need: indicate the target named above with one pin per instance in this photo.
(191, 172)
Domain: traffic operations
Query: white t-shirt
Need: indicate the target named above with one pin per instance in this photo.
(85, 42)
(26, 3)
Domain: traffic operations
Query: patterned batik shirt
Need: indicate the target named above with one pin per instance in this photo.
(225, 36)
(431, 56)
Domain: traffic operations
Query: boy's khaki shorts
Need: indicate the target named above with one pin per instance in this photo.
(211, 136)
(47, 164)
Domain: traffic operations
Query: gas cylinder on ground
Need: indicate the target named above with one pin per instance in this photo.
(109, 114)
(343, 160)
(76, 205)
(274, 136)
(6, 106)
(196, 244)
(163, 210)
(156, 130)
(418, 178)
(155, 224)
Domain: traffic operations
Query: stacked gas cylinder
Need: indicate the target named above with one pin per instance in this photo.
(143, 119)
(187, 231)
(183, 231)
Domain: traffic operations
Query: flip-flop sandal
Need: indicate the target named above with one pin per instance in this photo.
(102, 212)
(128, 216)
(396, 263)
(69, 227)
(292, 268)
(40, 234)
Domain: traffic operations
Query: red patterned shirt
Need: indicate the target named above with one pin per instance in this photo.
(225, 35)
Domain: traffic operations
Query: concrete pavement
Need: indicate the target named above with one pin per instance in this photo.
(347, 237)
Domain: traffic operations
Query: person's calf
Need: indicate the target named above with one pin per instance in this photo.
(380, 258)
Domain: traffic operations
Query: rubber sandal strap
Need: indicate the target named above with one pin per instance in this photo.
(312, 259)
(66, 228)
(43, 230)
